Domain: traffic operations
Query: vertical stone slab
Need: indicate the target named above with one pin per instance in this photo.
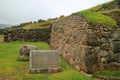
(44, 61)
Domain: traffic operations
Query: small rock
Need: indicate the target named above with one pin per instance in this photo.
(103, 40)
(115, 45)
(77, 67)
(96, 49)
(71, 61)
(105, 46)
(103, 53)
(103, 60)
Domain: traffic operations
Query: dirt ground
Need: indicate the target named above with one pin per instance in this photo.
(1, 40)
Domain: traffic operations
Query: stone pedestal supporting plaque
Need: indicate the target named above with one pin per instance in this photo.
(47, 61)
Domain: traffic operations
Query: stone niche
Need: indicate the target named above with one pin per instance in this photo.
(84, 46)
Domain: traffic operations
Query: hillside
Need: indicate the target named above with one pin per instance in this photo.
(115, 4)
(44, 24)
(4, 26)
(37, 24)
(106, 14)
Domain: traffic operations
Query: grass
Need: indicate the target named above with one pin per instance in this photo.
(68, 73)
(108, 73)
(9, 56)
(40, 25)
(96, 8)
(10, 63)
(37, 25)
(46, 24)
(1, 36)
(97, 18)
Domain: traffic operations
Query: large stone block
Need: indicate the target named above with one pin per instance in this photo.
(92, 39)
(25, 51)
(116, 36)
(89, 59)
(103, 53)
(115, 45)
(105, 46)
(114, 66)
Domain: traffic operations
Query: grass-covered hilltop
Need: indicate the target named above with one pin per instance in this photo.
(86, 42)
(106, 13)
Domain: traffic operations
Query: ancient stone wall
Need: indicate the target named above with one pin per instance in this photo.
(28, 35)
(110, 6)
(84, 46)
(2, 31)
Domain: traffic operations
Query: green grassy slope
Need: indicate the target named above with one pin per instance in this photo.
(9, 64)
(68, 73)
(101, 6)
(95, 15)
(97, 18)
(108, 73)
(45, 24)
(38, 25)
(9, 55)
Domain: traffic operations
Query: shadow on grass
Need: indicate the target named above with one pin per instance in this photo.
(22, 60)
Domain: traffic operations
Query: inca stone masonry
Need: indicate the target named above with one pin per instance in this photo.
(87, 47)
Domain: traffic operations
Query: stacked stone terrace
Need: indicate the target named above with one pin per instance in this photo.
(32, 35)
(86, 47)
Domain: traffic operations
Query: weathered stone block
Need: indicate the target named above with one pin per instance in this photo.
(116, 36)
(105, 46)
(92, 39)
(103, 53)
(115, 45)
(47, 61)
(25, 51)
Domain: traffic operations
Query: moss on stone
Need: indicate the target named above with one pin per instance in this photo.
(97, 18)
